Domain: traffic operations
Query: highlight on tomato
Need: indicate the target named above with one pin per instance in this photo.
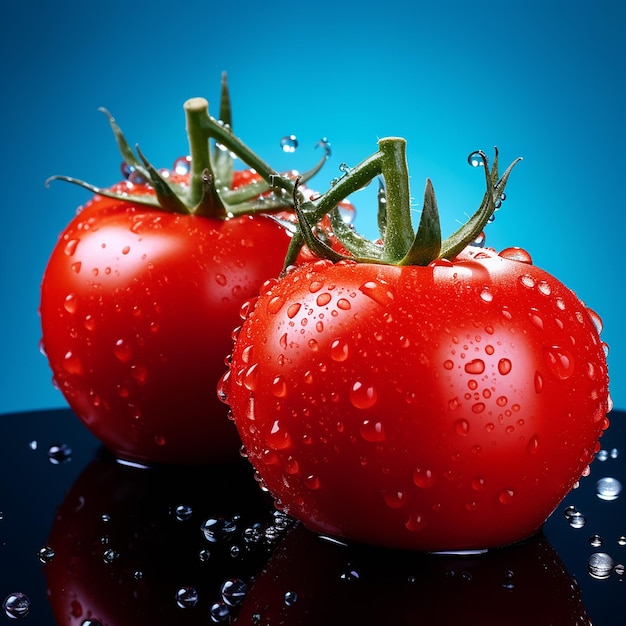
(143, 288)
(417, 392)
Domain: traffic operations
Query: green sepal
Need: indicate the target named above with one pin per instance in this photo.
(360, 247)
(427, 242)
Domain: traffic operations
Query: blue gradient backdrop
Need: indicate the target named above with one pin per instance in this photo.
(541, 79)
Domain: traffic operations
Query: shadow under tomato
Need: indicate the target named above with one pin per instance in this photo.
(309, 580)
(156, 546)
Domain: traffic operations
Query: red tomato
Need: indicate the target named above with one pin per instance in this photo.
(443, 407)
(137, 308)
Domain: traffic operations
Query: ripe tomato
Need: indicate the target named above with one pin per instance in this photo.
(442, 407)
(137, 308)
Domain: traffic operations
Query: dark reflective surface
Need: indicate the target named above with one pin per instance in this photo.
(87, 539)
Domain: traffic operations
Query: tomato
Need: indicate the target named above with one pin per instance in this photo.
(311, 581)
(445, 406)
(137, 308)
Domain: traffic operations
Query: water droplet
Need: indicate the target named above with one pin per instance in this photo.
(363, 396)
(526, 280)
(608, 489)
(504, 366)
(486, 295)
(218, 529)
(415, 522)
(186, 597)
(476, 159)
(290, 598)
(596, 320)
(395, 499)
(182, 165)
(596, 541)
(279, 386)
(538, 382)
(479, 484)
(45, 554)
(109, 556)
(477, 366)
(325, 145)
(219, 612)
(343, 304)
(339, 350)
(70, 247)
(448, 364)
(614, 453)
(323, 299)
(536, 318)
(372, 431)
(377, 292)
(423, 478)
(533, 444)
(312, 482)
(293, 309)
(122, 350)
(250, 377)
(183, 512)
(478, 407)
(289, 143)
(70, 303)
(621, 541)
(577, 520)
(602, 455)
(559, 361)
(462, 427)
(600, 565)
(220, 279)
(59, 453)
(516, 254)
(16, 605)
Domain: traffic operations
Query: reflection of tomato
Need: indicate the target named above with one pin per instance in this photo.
(311, 581)
(127, 539)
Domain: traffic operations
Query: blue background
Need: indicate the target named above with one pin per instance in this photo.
(543, 80)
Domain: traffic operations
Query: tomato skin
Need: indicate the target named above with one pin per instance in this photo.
(432, 408)
(137, 309)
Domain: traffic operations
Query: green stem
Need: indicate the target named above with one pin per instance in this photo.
(399, 229)
(196, 109)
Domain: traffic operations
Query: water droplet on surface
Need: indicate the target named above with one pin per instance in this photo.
(415, 522)
(122, 350)
(559, 361)
(600, 565)
(293, 309)
(372, 431)
(289, 143)
(70, 247)
(59, 453)
(516, 254)
(186, 597)
(462, 427)
(45, 554)
(602, 455)
(182, 165)
(526, 280)
(504, 366)
(506, 496)
(377, 292)
(608, 489)
(217, 529)
(363, 396)
(423, 478)
(323, 299)
(533, 445)
(394, 499)
(339, 350)
(290, 598)
(279, 386)
(16, 605)
(476, 366)
(486, 295)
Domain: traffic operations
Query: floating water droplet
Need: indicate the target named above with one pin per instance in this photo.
(614, 453)
(476, 159)
(621, 540)
(233, 591)
(508, 582)
(596, 541)
(600, 565)
(602, 455)
(16, 605)
(608, 489)
(59, 453)
(109, 556)
(186, 597)
(289, 143)
(577, 520)
(45, 554)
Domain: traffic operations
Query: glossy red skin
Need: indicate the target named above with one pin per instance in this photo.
(345, 585)
(137, 309)
(446, 407)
